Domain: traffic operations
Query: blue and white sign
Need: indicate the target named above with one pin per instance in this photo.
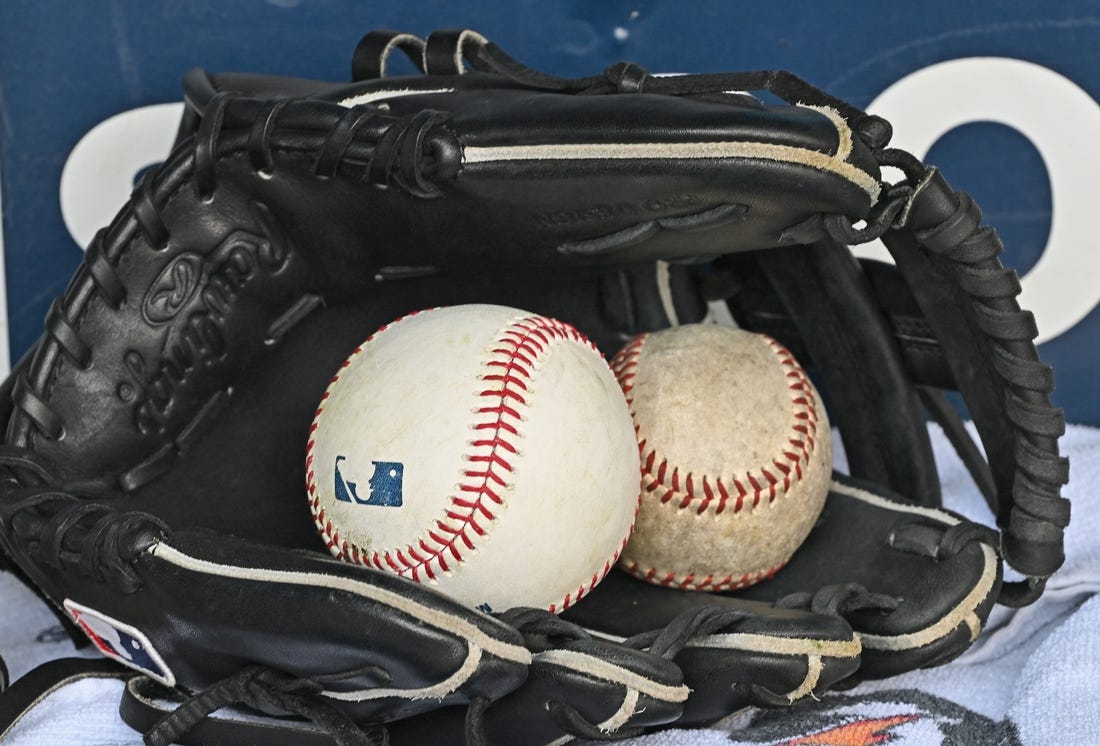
(1002, 95)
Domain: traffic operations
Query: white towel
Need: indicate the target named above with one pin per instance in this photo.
(1032, 678)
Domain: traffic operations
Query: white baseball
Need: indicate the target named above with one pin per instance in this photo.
(736, 456)
(480, 449)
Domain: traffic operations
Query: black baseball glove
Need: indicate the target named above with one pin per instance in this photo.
(153, 471)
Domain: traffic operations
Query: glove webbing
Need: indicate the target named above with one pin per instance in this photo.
(1009, 394)
(443, 53)
(952, 266)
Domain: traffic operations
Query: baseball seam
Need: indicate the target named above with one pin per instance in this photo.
(745, 491)
(331, 535)
(708, 582)
(509, 371)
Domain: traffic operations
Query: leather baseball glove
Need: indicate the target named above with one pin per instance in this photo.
(152, 468)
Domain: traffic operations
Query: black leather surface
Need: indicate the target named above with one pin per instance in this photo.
(722, 673)
(851, 543)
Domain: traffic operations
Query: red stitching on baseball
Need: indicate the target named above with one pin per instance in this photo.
(597, 577)
(709, 583)
(319, 519)
(518, 349)
(765, 486)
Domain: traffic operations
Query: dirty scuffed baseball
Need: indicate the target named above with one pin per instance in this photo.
(736, 456)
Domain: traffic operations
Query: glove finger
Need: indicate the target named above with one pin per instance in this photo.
(755, 654)
(914, 594)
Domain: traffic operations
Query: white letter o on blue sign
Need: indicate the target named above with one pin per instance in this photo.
(1061, 120)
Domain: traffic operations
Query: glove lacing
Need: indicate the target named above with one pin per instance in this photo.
(264, 688)
(410, 152)
(694, 623)
(543, 630)
(53, 526)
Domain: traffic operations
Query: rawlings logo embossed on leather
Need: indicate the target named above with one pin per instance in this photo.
(616, 209)
(198, 295)
(173, 289)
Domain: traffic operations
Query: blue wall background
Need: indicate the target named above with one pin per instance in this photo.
(65, 67)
